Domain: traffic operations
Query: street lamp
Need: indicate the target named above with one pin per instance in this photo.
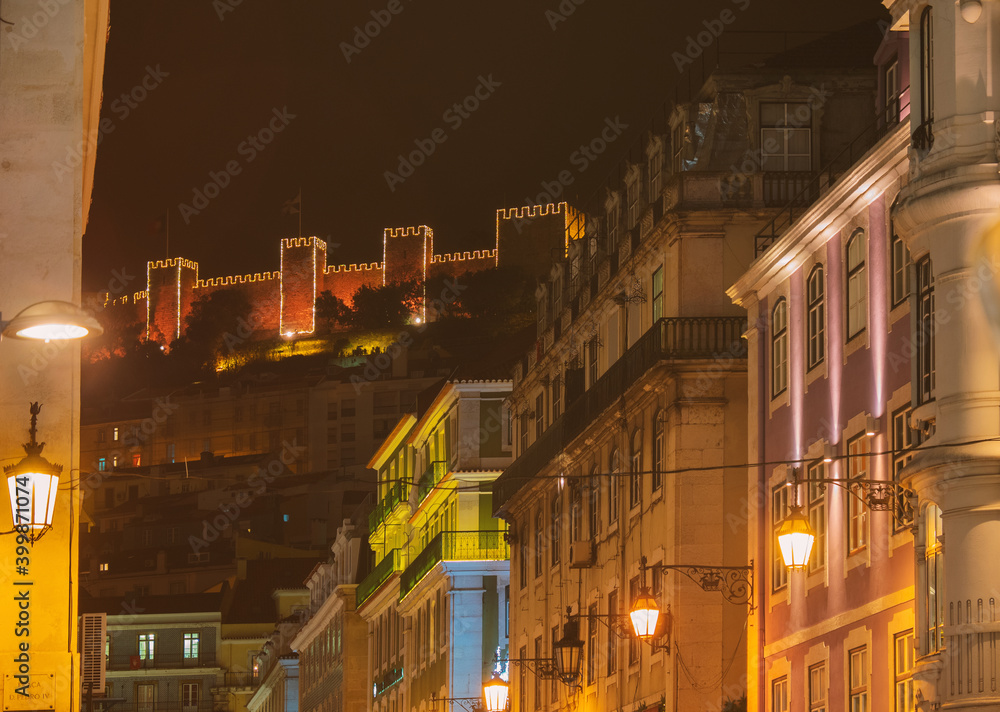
(796, 537)
(52, 320)
(644, 614)
(495, 693)
(33, 483)
(568, 653)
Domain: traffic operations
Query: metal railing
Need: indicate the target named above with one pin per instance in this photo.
(434, 473)
(159, 661)
(379, 575)
(385, 505)
(668, 339)
(488, 545)
(830, 174)
(239, 679)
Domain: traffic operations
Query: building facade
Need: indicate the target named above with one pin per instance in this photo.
(630, 414)
(435, 603)
(832, 299)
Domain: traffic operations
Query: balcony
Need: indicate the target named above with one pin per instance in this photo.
(385, 506)
(668, 339)
(454, 546)
(239, 680)
(390, 563)
(159, 661)
(434, 473)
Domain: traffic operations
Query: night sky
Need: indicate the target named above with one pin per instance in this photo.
(209, 80)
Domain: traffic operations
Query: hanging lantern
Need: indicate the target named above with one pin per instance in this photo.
(569, 653)
(645, 614)
(33, 483)
(495, 694)
(796, 537)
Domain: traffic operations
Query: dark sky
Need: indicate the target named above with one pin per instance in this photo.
(216, 71)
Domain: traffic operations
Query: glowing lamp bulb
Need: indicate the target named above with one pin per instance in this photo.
(495, 693)
(644, 614)
(796, 537)
(417, 320)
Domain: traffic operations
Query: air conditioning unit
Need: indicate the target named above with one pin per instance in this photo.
(581, 554)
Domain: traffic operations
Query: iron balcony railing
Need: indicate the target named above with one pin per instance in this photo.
(159, 661)
(840, 164)
(434, 473)
(239, 680)
(379, 575)
(668, 339)
(489, 545)
(385, 505)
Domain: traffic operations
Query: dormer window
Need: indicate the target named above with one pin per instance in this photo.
(786, 137)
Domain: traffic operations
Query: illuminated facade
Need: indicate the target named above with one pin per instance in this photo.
(435, 603)
(631, 412)
(284, 301)
(831, 298)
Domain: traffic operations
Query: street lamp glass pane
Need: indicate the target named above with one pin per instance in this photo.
(53, 332)
(795, 537)
(644, 614)
(495, 691)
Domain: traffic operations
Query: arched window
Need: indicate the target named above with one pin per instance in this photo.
(594, 503)
(857, 285)
(635, 480)
(815, 318)
(779, 348)
(933, 560)
(659, 441)
(615, 470)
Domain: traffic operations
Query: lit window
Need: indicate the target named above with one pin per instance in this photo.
(147, 646)
(925, 332)
(192, 646)
(816, 496)
(817, 688)
(779, 348)
(102, 464)
(903, 667)
(933, 562)
(114, 461)
(815, 318)
(103, 566)
(136, 460)
(857, 285)
(857, 510)
(779, 512)
(114, 433)
(779, 695)
(900, 269)
(858, 675)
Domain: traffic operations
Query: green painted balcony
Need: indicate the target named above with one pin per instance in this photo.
(385, 506)
(391, 563)
(454, 546)
(434, 473)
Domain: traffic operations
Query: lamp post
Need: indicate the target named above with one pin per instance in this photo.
(33, 483)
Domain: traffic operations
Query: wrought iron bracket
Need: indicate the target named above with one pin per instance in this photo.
(877, 495)
(542, 668)
(471, 704)
(735, 583)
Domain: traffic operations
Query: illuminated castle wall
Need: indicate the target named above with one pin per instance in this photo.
(284, 301)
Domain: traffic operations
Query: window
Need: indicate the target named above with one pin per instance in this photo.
(900, 269)
(556, 398)
(147, 537)
(632, 196)
(103, 566)
(612, 636)
(779, 512)
(635, 479)
(348, 433)
(136, 460)
(539, 415)
(857, 285)
(785, 137)
(858, 676)
(522, 555)
(933, 579)
(145, 697)
(556, 523)
(592, 652)
(779, 348)
(101, 435)
(347, 408)
(592, 360)
(189, 695)
(102, 464)
(147, 646)
(926, 69)
(192, 646)
(817, 688)
(115, 433)
(902, 441)
(654, 169)
(890, 75)
(816, 502)
(171, 452)
(657, 294)
(815, 319)
(659, 440)
(633, 641)
(903, 667)
(779, 695)
(575, 511)
(594, 504)
(613, 227)
(925, 332)
(616, 468)
(677, 145)
(857, 510)
(539, 541)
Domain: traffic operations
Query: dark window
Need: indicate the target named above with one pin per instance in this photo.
(815, 318)
(925, 332)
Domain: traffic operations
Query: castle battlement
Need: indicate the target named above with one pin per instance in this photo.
(236, 279)
(337, 269)
(408, 231)
(289, 242)
(463, 256)
(172, 262)
(530, 211)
